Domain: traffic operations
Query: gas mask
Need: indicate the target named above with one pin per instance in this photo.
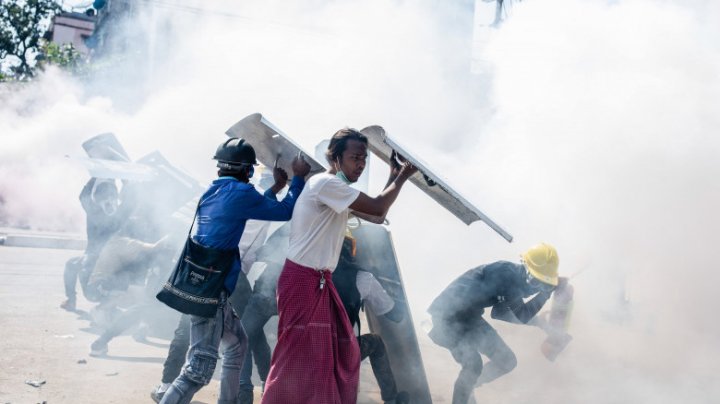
(537, 285)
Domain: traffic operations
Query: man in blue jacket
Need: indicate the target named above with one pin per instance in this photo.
(222, 213)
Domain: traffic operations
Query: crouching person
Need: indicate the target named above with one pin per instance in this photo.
(457, 314)
(221, 216)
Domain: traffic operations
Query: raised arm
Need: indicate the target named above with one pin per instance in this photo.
(379, 205)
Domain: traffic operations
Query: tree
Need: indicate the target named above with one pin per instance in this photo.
(64, 56)
(22, 25)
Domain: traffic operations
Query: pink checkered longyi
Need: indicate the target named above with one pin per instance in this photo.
(317, 358)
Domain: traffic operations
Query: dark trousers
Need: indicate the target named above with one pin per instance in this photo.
(372, 345)
(181, 340)
(258, 312)
(466, 342)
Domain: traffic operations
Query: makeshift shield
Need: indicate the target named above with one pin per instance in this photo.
(271, 145)
(429, 182)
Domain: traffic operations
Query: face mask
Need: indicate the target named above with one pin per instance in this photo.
(340, 174)
(538, 286)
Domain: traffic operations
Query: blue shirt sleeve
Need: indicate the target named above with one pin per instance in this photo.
(267, 207)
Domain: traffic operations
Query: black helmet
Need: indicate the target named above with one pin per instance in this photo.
(234, 154)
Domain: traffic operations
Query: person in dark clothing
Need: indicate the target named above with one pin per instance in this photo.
(99, 200)
(457, 313)
(358, 288)
(261, 307)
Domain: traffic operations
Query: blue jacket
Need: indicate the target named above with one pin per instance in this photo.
(228, 204)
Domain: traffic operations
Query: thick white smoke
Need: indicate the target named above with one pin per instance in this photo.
(595, 130)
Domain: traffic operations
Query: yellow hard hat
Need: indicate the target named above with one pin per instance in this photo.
(542, 262)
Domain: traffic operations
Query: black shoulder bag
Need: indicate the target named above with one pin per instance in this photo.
(195, 285)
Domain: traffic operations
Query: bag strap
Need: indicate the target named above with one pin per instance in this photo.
(197, 210)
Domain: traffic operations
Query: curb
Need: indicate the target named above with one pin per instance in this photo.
(10, 237)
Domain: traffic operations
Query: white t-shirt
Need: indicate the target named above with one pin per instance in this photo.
(372, 293)
(252, 239)
(318, 222)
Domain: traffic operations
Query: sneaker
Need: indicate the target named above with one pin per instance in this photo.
(156, 394)
(98, 348)
(68, 305)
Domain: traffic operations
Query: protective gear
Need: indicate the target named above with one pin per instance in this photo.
(542, 262)
(343, 177)
(251, 172)
(340, 174)
(235, 154)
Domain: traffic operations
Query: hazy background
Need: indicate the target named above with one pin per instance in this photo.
(595, 128)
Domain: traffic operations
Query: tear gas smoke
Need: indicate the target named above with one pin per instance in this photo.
(595, 130)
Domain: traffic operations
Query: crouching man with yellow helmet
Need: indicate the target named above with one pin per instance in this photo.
(458, 321)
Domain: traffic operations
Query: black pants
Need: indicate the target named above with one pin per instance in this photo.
(181, 340)
(466, 342)
(258, 312)
(372, 345)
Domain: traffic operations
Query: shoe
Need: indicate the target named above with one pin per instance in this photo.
(245, 396)
(156, 394)
(98, 348)
(68, 305)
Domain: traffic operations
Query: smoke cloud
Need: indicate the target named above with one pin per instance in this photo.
(594, 129)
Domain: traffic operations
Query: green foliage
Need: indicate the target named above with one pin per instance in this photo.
(22, 26)
(64, 56)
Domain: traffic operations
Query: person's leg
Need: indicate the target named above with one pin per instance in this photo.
(372, 345)
(130, 317)
(176, 357)
(234, 343)
(73, 266)
(205, 336)
(177, 351)
(252, 321)
(502, 358)
(262, 354)
(465, 353)
(257, 313)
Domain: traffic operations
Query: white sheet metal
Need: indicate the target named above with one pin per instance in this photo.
(271, 144)
(114, 169)
(382, 146)
(105, 146)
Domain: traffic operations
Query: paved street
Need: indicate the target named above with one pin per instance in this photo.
(41, 342)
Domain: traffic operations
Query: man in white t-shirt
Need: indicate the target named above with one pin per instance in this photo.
(317, 358)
